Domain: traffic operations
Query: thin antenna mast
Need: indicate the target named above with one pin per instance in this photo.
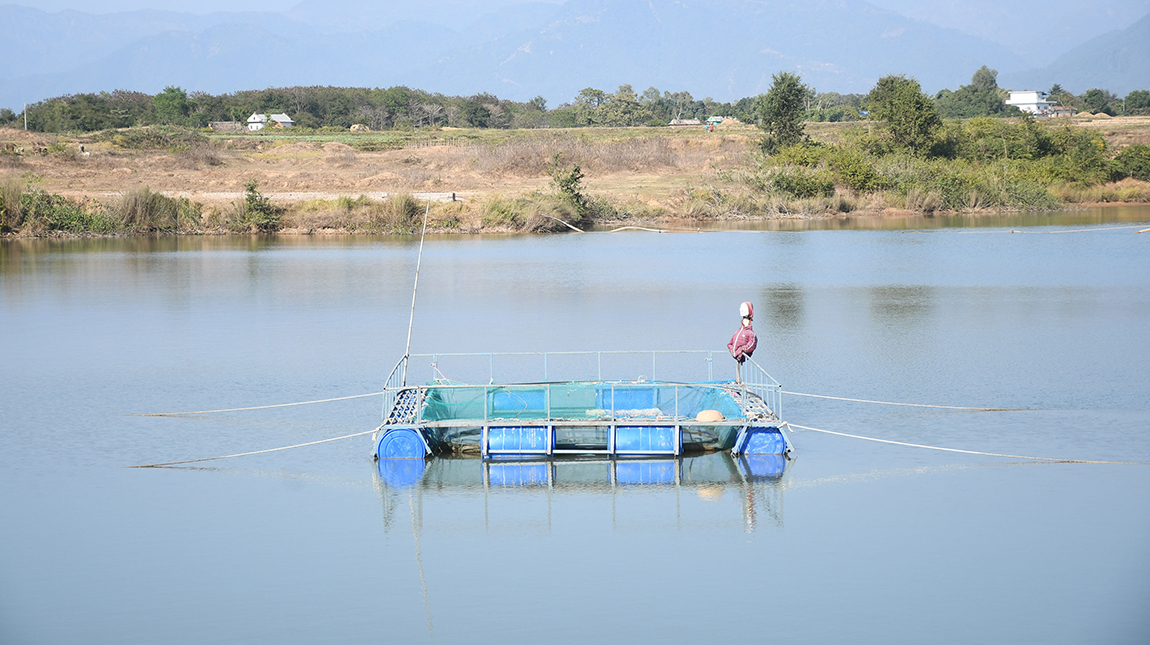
(415, 290)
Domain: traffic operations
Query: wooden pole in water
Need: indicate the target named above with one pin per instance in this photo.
(414, 290)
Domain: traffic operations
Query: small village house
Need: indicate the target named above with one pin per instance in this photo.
(257, 121)
(1031, 101)
(260, 121)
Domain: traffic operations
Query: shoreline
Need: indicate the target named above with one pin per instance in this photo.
(795, 222)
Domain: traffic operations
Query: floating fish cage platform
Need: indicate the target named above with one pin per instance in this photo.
(575, 403)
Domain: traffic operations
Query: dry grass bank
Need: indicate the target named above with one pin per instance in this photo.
(500, 177)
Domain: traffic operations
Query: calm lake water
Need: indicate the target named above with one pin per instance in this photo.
(855, 541)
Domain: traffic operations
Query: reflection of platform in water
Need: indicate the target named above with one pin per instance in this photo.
(757, 478)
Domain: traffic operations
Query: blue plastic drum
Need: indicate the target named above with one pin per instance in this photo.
(401, 443)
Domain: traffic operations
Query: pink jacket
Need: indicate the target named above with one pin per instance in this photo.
(743, 342)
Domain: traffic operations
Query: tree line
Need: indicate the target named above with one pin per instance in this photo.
(405, 108)
(911, 150)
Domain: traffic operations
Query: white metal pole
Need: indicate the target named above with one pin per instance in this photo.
(415, 289)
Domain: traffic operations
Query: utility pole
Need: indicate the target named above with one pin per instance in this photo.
(25, 117)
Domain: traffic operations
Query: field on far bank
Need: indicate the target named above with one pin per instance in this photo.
(471, 163)
(336, 181)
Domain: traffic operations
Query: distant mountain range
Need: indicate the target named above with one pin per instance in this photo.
(725, 49)
(1118, 61)
(1038, 30)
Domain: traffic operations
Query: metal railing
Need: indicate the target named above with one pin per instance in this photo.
(545, 362)
(395, 383)
(755, 380)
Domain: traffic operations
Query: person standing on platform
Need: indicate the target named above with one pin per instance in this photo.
(743, 343)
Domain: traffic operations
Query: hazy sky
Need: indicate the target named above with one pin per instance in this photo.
(201, 6)
(208, 6)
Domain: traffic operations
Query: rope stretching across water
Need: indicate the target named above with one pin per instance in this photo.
(912, 405)
(969, 452)
(360, 396)
(254, 452)
(255, 407)
(789, 425)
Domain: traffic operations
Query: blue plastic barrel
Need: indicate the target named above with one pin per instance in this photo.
(645, 439)
(760, 441)
(527, 439)
(401, 443)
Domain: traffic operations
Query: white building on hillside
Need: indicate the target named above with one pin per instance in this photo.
(1032, 101)
(257, 121)
(260, 121)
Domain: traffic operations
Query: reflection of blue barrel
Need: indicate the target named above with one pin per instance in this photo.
(517, 474)
(645, 472)
(762, 467)
(401, 443)
(401, 473)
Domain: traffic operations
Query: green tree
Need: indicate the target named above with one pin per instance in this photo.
(257, 210)
(171, 105)
(1137, 102)
(622, 109)
(1097, 100)
(781, 112)
(910, 117)
(591, 97)
(1059, 95)
(981, 98)
(476, 114)
(678, 103)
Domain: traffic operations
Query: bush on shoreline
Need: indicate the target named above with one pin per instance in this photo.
(979, 163)
(28, 209)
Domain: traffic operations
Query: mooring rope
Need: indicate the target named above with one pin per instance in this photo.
(969, 452)
(1022, 232)
(254, 452)
(1087, 230)
(254, 407)
(655, 230)
(360, 396)
(912, 405)
(577, 230)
